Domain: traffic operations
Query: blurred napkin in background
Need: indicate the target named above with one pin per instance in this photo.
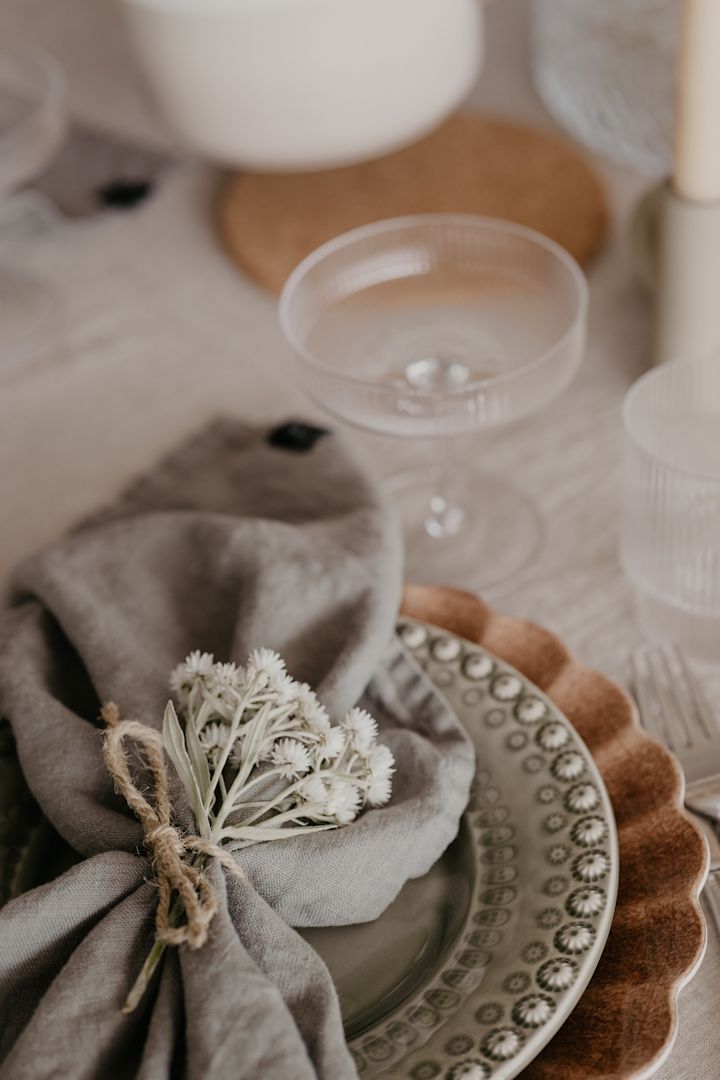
(95, 171)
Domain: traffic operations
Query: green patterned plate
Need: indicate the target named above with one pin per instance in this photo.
(478, 964)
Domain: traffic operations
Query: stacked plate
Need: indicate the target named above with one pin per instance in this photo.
(552, 937)
(478, 966)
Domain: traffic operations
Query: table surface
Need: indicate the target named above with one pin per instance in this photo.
(160, 333)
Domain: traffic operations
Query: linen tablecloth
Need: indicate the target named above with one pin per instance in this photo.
(160, 333)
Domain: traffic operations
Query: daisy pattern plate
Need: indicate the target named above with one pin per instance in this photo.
(476, 966)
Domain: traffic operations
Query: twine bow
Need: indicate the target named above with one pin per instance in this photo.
(168, 848)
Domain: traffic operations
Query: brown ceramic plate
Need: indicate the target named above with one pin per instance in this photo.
(626, 1021)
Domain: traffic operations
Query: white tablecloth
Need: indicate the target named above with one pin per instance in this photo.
(160, 333)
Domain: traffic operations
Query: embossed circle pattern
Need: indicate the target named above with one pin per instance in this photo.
(545, 882)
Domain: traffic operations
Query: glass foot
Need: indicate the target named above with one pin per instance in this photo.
(479, 534)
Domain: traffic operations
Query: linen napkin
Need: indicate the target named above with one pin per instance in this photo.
(241, 539)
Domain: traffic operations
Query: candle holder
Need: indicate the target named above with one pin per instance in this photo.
(676, 247)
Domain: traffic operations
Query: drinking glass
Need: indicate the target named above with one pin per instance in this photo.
(605, 70)
(32, 125)
(670, 546)
(438, 326)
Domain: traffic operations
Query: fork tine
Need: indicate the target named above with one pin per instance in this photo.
(689, 707)
(673, 716)
(711, 894)
(672, 705)
(679, 716)
(645, 690)
(698, 701)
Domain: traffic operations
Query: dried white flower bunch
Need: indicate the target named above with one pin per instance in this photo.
(259, 757)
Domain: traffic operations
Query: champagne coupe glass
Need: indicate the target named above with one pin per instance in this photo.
(32, 125)
(438, 326)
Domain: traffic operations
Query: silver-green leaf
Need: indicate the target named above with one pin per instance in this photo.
(174, 742)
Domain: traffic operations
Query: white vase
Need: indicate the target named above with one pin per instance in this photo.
(305, 84)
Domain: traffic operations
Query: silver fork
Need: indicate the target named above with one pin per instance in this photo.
(674, 711)
(711, 892)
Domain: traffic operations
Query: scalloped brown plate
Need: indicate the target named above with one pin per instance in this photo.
(626, 1021)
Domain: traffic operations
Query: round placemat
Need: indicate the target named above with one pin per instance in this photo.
(474, 164)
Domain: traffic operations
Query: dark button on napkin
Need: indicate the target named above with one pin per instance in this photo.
(125, 194)
(296, 436)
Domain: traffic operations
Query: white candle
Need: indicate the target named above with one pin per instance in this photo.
(697, 124)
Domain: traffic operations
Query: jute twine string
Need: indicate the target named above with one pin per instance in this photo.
(168, 848)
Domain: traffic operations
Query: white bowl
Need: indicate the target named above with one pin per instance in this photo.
(305, 84)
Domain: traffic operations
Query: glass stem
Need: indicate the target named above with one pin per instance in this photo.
(444, 515)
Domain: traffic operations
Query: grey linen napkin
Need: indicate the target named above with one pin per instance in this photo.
(238, 540)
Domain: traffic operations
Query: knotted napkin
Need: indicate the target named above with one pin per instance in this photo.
(243, 538)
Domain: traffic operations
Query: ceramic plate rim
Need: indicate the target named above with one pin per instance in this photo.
(590, 960)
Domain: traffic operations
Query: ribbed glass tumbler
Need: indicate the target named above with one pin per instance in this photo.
(670, 544)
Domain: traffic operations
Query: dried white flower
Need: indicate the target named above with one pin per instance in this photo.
(331, 744)
(229, 675)
(291, 757)
(342, 801)
(265, 667)
(180, 681)
(199, 663)
(318, 720)
(379, 791)
(312, 713)
(312, 789)
(381, 766)
(284, 688)
(214, 736)
(287, 764)
(361, 729)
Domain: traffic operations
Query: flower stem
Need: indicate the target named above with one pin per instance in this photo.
(155, 955)
(265, 807)
(141, 983)
(234, 728)
(153, 959)
(257, 724)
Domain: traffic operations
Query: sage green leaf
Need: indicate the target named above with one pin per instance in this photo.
(198, 760)
(174, 742)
